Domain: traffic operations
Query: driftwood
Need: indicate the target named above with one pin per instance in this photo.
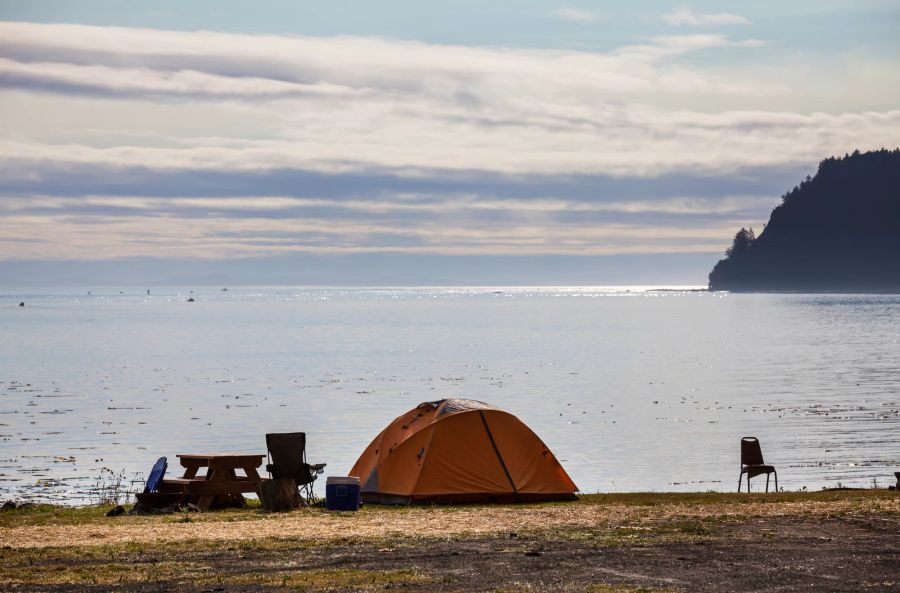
(280, 494)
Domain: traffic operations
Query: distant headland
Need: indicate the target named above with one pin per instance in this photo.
(838, 231)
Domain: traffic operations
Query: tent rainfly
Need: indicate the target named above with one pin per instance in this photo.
(458, 451)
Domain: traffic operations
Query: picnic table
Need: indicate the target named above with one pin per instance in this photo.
(221, 485)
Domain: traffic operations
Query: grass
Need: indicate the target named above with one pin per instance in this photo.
(156, 571)
(596, 588)
(605, 518)
(323, 578)
(90, 572)
(81, 546)
(706, 498)
(61, 515)
(606, 588)
(652, 532)
(696, 513)
(57, 515)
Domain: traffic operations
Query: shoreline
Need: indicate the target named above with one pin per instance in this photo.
(621, 542)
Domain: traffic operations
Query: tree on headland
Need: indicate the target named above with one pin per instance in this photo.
(742, 242)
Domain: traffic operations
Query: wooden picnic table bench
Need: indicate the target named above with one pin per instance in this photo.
(221, 485)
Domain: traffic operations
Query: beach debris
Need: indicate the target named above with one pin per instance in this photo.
(190, 300)
(22, 304)
(115, 511)
(8, 506)
(154, 508)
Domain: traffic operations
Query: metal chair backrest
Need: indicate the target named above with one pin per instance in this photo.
(287, 452)
(751, 453)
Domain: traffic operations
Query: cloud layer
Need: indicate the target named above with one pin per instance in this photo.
(686, 16)
(577, 15)
(134, 142)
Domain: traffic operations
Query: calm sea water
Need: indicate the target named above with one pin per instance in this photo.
(632, 389)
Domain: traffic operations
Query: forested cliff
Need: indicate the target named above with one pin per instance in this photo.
(836, 231)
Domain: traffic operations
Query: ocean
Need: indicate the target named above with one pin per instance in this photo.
(632, 388)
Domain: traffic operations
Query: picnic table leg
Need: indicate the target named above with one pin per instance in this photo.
(226, 473)
(190, 467)
(236, 499)
(213, 474)
(226, 500)
(253, 476)
(190, 472)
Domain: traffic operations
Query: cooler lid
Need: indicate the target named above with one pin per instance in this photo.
(353, 480)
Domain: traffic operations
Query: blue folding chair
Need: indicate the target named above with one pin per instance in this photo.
(156, 475)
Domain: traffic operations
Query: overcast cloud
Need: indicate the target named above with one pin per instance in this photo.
(125, 142)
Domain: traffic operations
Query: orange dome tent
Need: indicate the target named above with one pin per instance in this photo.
(459, 450)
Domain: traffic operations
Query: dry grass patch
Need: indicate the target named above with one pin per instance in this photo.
(317, 525)
(171, 573)
(324, 579)
(605, 588)
(596, 588)
(112, 573)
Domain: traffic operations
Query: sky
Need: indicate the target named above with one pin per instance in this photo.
(406, 142)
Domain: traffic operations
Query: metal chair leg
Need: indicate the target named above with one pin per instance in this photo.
(767, 483)
(306, 491)
(776, 480)
(740, 475)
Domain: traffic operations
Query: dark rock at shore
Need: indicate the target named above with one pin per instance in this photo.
(11, 505)
(838, 231)
(115, 511)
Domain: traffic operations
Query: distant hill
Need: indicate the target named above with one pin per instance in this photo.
(837, 231)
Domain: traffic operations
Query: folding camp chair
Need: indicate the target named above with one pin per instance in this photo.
(287, 456)
(156, 495)
(752, 463)
(156, 475)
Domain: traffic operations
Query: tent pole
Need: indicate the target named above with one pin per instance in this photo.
(499, 457)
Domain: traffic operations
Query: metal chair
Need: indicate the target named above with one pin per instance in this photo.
(287, 456)
(752, 463)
